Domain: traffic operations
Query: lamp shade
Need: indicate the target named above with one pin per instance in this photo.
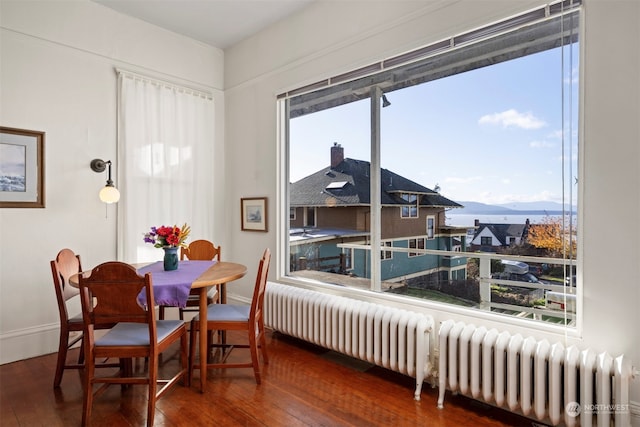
(109, 194)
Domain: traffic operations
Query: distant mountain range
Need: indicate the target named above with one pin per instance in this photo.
(517, 208)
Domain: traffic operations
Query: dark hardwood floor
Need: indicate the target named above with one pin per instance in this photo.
(303, 385)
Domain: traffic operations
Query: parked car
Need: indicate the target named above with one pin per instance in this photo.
(536, 270)
(516, 270)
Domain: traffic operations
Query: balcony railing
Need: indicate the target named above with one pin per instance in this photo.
(563, 309)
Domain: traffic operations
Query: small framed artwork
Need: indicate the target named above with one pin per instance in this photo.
(21, 168)
(254, 213)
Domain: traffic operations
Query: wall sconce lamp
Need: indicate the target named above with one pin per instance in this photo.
(109, 193)
(385, 101)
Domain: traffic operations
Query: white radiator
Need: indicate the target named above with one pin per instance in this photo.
(385, 336)
(536, 378)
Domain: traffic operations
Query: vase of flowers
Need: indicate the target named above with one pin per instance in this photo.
(170, 258)
(169, 239)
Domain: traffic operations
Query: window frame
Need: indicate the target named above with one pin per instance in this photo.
(430, 227)
(409, 212)
(446, 307)
(386, 255)
(416, 241)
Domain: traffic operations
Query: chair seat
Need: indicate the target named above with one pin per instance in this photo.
(77, 319)
(227, 312)
(126, 333)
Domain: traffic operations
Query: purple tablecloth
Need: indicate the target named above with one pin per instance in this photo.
(172, 288)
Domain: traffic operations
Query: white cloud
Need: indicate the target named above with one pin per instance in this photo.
(540, 144)
(575, 76)
(559, 134)
(556, 134)
(512, 118)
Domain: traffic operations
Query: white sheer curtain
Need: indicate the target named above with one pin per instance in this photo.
(165, 156)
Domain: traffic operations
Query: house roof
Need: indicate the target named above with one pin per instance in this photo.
(502, 231)
(347, 184)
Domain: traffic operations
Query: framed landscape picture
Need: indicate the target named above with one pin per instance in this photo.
(21, 168)
(254, 213)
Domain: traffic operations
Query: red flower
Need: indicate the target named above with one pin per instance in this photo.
(165, 231)
(173, 239)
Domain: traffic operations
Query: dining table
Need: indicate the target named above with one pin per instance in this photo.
(172, 288)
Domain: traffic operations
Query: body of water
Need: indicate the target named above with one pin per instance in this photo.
(468, 220)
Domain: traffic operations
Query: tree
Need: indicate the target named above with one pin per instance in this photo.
(473, 269)
(554, 236)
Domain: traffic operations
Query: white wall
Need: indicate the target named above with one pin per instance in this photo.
(57, 75)
(328, 38)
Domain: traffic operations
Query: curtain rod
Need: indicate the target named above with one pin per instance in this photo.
(165, 83)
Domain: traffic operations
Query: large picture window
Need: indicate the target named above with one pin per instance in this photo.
(473, 138)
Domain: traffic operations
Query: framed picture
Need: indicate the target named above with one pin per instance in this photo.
(254, 213)
(21, 168)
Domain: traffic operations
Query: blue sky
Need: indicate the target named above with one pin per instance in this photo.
(492, 135)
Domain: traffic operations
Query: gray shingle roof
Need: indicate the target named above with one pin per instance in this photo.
(350, 187)
(502, 231)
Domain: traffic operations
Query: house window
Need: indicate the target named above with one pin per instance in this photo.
(309, 217)
(486, 241)
(411, 198)
(409, 212)
(384, 255)
(416, 244)
(292, 214)
(518, 80)
(431, 227)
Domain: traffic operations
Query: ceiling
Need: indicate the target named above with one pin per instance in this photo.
(219, 23)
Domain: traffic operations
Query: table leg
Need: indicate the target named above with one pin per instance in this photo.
(203, 338)
(223, 300)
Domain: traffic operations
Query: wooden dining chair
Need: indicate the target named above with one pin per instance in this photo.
(66, 264)
(198, 250)
(112, 294)
(225, 317)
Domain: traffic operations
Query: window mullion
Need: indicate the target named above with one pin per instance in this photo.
(375, 188)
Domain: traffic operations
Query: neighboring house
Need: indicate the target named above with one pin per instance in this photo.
(488, 237)
(332, 206)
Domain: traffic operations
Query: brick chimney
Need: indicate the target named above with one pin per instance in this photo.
(337, 155)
